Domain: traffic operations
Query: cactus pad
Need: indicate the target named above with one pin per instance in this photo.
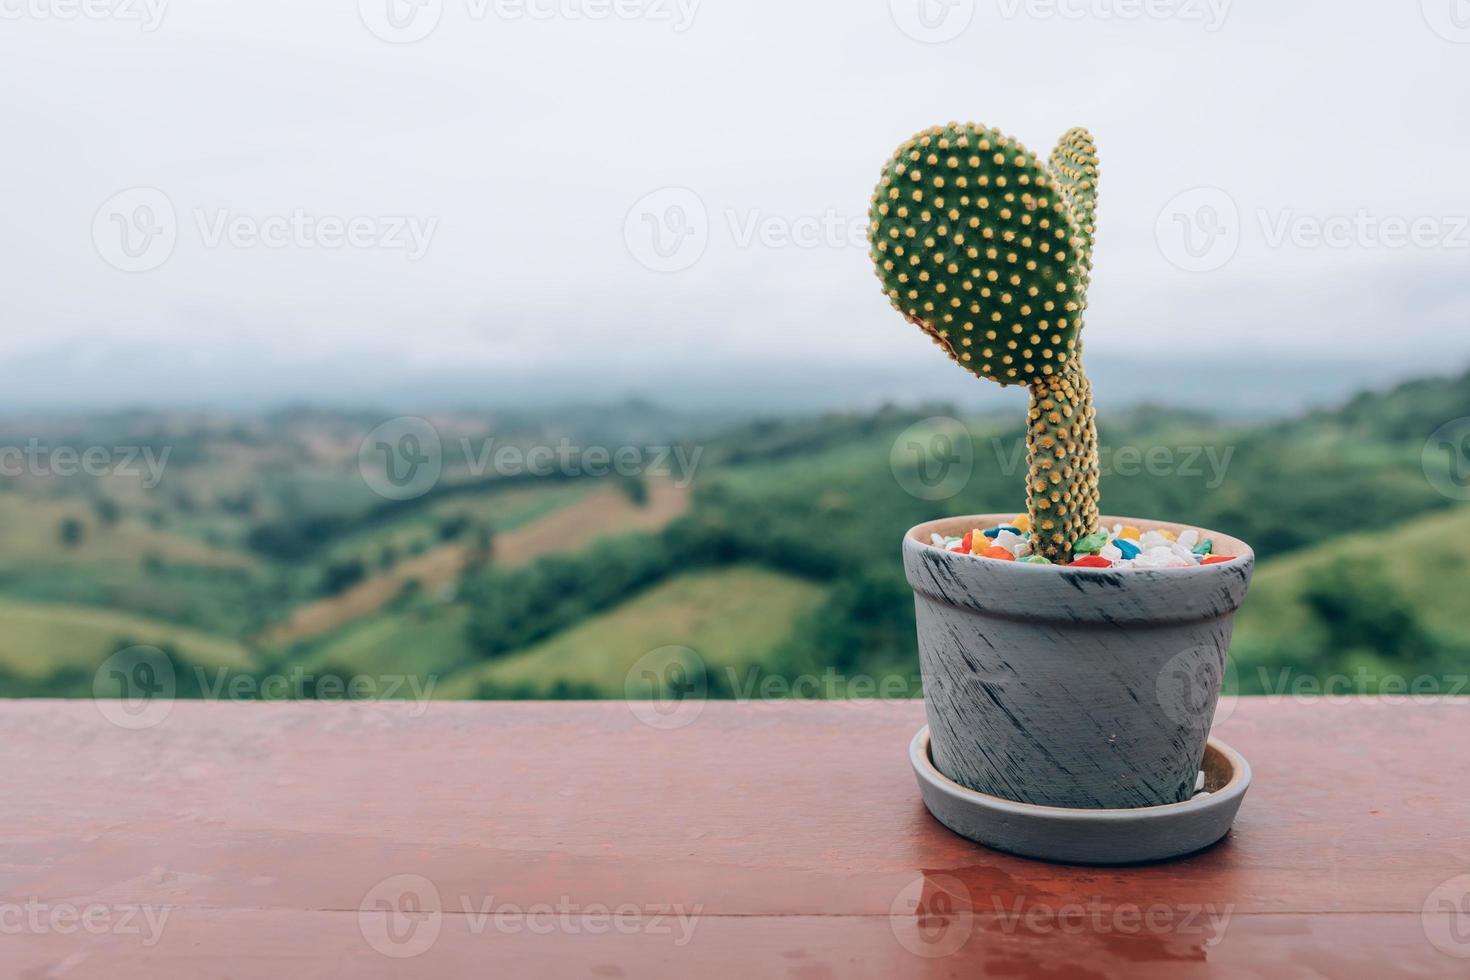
(976, 242)
(989, 252)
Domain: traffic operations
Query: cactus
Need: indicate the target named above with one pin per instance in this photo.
(988, 251)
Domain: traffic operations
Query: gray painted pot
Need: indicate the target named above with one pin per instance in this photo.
(1071, 687)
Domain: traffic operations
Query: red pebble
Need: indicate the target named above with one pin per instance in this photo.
(965, 544)
(1091, 561)
(1216, 559)
(960, 550)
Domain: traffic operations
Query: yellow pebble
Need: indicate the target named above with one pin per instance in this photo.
(1130, 532)
(978, 541)
(1022, 523)
(1168, 534)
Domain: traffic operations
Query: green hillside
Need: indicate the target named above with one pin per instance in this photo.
(38, 638)
(733, 617)
(1366, 605)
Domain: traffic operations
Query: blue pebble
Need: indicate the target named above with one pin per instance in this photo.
(1128, 548)
(994, 532)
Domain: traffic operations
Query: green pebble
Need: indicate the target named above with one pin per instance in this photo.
(1091, 544)
(1205, 546)
(1036, 560)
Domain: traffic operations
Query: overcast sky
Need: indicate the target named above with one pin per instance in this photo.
(280, 196)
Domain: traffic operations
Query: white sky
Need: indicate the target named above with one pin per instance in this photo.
(529, 139)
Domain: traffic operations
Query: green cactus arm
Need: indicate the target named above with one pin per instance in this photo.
(974, 243)
(988, 251)
(1074, 162)
(1063, 497)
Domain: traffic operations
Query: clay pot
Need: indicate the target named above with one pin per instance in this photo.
(1071, 687)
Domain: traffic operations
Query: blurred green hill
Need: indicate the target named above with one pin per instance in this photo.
(262, 550)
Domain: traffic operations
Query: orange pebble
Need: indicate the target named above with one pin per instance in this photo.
(996, 551)
(1216, 559)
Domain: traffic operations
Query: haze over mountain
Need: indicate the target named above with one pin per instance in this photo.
(572, 207)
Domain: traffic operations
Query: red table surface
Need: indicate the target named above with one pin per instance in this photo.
(761, 839)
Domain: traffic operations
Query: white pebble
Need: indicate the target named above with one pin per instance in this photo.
(1189, 538)
(1199, 781)
(937, 540)
(1152, 539)
(1160, 557)
(1111, 553)
(1011, 542)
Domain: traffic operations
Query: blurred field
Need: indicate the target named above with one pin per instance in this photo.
(732, 617)
(36, 638)
(535, 523)
(264, 550)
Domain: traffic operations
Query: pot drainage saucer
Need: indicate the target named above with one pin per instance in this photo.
(1082, 836)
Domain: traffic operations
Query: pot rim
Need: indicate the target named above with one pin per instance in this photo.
(918, 535)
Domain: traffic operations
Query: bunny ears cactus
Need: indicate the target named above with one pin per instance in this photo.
(989, 252)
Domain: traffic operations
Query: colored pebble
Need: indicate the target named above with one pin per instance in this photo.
(1092, 543)
(1122, 546)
